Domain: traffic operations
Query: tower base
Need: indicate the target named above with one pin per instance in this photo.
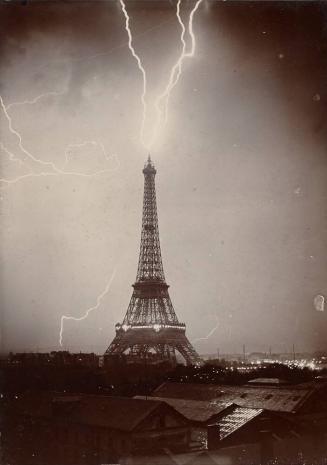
(153, 343)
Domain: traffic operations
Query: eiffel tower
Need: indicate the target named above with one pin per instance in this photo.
(150, 329)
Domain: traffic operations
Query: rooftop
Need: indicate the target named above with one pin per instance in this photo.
(274, 398)
(234, 420)
(194, 410)
(268, 381)
(120, 413)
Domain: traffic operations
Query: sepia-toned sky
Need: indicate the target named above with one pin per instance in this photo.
(241, 171)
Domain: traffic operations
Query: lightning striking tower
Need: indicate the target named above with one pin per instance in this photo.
(151, 328)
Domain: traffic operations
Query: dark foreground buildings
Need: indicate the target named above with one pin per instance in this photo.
(255, 422)
(180, 423)
(55, 429)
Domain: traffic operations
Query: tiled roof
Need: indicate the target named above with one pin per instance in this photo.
(195, 410)
(187, 391)
(280, 399)
(234, 420)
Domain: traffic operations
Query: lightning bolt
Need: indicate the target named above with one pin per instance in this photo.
(53, 170)
(141, 68)
(162, 101)
(35, 100)
(88, 311)
(20, 142)
(11, 156)
(211, 332)
(175, 71)
(161, 106)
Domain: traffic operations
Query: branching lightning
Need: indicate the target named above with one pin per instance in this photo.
(53, 170)
(20, 142)
(11, 156)
(175, 71)
(162, 101)
(88, 311)
(35, 100)
(161, 106)
(140, 66)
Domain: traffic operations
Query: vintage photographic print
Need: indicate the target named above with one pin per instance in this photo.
(163, 268)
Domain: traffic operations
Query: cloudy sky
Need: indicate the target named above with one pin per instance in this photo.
(241, 181)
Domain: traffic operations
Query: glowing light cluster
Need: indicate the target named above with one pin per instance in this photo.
(156, 327)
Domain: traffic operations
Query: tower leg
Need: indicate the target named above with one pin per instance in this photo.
(187, 351)
(117, 347)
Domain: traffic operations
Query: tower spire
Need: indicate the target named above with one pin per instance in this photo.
(150, 262)
(150, 321)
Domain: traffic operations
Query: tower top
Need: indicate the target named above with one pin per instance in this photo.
(149, 167)
(150, 267)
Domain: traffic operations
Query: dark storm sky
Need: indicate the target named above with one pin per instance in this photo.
(242, 171)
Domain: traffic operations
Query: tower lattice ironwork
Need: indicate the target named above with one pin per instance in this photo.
(150, 327)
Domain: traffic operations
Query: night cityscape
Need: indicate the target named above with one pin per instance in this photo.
(218, 129)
